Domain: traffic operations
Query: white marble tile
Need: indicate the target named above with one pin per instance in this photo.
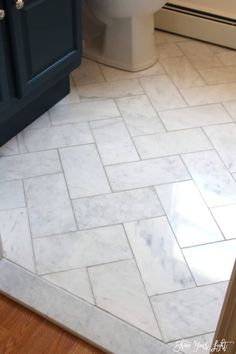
(83, 112)
(49, 207)
(75, 281)
(146, 173)
(119, 290)
(209, 94)
(223, 138)
(113, 74)
(168, 50)
(116, 208)
(72, 97)
(81, 249)
(74, 314)
(219, 75)
(29, 165)
(231, 108)
(212, 178)
(165, 37)
(88, 73)
(54, 137)
(9, 148)
(211, 263)
(162, 92)
(192, 117)
(139, 115)
(190, 219)
(113, 141)
(196, 311)
(225, 218)
(199, 54)
(42, 122)
(112, 89)
(159, 258)
(182, 72)
(173, 143)
(11, 195)
(15, 238)
(199, 344)
(84, 172)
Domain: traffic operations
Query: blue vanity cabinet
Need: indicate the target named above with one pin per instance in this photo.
(41, 43)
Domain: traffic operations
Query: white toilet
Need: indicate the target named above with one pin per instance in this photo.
(120, 33)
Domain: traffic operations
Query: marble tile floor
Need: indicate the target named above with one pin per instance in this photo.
(117, 207)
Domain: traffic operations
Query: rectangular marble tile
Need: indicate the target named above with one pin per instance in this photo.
(162, 92)
(159, 258)
(42, 122)
(119, 290)
(9, 148)
(168, 50)
(11, 195)
(113, 141)
(83, 112)
(117, 208)
(139, 115)
(110, 90)
(200, 55)
(213, 180)
(88, 72)
(49, 207)
(223, 138)
(227, 57)
(113, 74)
(209, 94)
(147, 173)
(196, 311)
(225, 218)
(84, 172)
(219, 75)
(54, 137)
(231, 108)
(81, 249)
(29, 165)
(173, 143)
(192, 117)
(15, 238)
(211, 263)
(182, 72)
(190, 219)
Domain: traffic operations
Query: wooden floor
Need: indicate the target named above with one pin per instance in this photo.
(23, 332)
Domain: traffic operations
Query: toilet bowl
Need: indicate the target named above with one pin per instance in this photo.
(120, 33)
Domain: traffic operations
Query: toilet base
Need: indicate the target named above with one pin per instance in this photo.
(124, 43)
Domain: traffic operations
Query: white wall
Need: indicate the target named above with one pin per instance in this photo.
(220, 7)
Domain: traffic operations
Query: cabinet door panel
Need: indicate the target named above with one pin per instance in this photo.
(46, 41)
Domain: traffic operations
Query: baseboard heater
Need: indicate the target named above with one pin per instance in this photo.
(197, 24)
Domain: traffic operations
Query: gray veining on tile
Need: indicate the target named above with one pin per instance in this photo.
(16, 238)
(119, 290)
(80, 249)
(11, 195)
(84, 172)
(223, 137)
(189, 217)
(29, 165)
(212, 178)
(75, 281)
(117, 208)
(146, 173)
(192, 117)
(195, 311)
(83, 112)
(166, 144)
(113, 141)
(9, 148)
(88, 73)
(54, 137)
(139, 115)
(225, 218)
(211, 263)
(162, 92)
(158, 256)
(49, 207)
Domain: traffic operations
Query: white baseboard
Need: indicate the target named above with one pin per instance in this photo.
(206, 27)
